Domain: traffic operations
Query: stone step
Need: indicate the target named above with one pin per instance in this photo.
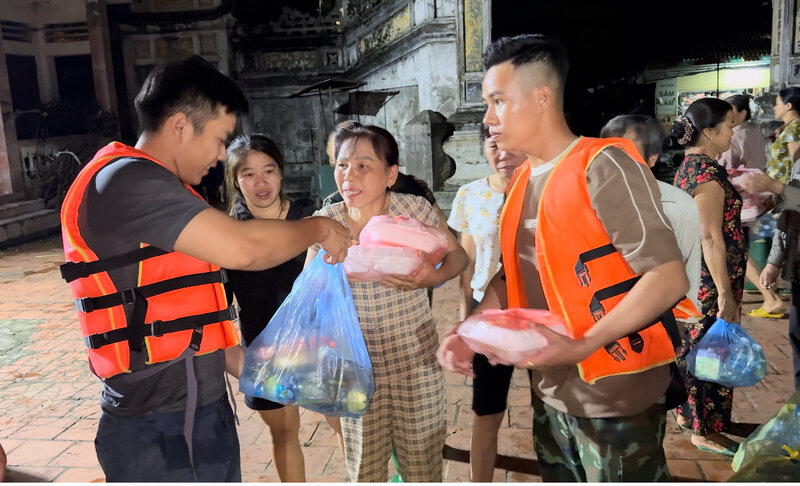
(29, 226)
(19, 208)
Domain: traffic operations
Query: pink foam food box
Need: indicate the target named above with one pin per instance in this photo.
(509, 333)
(372, 263)
(753, 205)
(400, 231)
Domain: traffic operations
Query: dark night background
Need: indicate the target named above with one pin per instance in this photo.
(610, 41)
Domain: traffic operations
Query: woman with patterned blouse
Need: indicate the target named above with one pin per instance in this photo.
(706, 131)
(785, 150)
(407, 410)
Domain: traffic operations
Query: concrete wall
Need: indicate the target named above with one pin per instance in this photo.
(37, 14)
(427, 80)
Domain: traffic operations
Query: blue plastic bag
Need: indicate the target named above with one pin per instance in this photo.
(312, 352)
(727, 355)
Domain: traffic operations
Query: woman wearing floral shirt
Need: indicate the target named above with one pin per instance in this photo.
(706, 130)
(786, 148)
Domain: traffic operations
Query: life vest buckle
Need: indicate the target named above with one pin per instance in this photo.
(85, 304)
(73, 270)
(616, 351)
(95, 341)
(128, 296)
(582, 273)
(197, 338)
(597, 310)
(223, 276)
(636, 342)
(156, 328)
(234, 312)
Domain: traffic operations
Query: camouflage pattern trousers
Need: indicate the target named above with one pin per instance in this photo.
(572, 448)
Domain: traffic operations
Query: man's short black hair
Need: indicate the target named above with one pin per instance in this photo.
(529, 49)
(192, 86)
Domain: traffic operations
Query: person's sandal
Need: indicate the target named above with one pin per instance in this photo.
(760, 312)
(729, 451)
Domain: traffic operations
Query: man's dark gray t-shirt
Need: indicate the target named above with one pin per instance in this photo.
(128, 202)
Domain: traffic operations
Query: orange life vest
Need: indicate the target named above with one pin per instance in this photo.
(179, 301)
(583, 276)
(685, 310)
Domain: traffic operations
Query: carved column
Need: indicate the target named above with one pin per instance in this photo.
(100, 48)
(425, 157)
(10, 170)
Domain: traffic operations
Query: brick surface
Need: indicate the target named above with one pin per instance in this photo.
(79, 475)
(49, 400)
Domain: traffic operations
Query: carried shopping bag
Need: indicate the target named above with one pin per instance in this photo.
(312, 352)
(727, 355)
(772, 451)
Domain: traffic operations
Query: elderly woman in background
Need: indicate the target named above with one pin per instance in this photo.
(648, 137)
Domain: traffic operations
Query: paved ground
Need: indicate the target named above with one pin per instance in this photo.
(49, 399)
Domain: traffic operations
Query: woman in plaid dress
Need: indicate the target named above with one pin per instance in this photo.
(407, 410)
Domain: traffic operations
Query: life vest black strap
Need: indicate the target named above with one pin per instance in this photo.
(159, 328)
(581, 272)
(635, 340)
(128, 296)
(596, 306)
(74, 270)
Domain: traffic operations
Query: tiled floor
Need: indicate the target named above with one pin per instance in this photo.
(49, 399)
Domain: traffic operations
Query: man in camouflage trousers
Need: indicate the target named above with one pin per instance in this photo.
(600, 397)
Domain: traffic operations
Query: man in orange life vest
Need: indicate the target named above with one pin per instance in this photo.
(143, 254)
(582, 233)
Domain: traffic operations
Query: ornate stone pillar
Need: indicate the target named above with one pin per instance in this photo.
(10, 170)
(425, 157)
(100, 49)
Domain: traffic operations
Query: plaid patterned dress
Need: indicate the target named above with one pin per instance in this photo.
(407, 410)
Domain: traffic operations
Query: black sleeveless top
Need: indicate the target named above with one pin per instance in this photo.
(260, 293)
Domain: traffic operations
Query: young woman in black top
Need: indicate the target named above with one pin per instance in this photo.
(253, 180)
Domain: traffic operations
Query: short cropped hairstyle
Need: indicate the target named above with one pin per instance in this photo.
(192, 86)
(528, 49)
(237, 151)
(647, 129)
(382, 141)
